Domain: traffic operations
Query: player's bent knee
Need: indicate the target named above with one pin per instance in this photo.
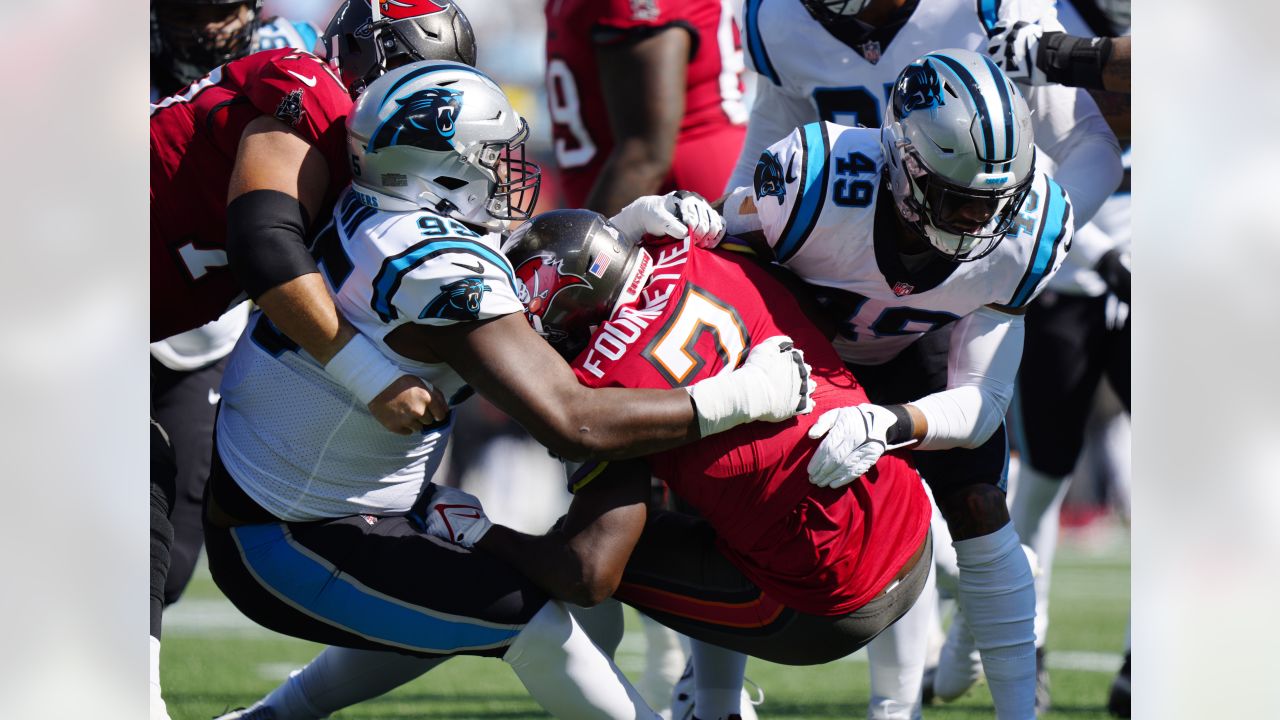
(974, 510)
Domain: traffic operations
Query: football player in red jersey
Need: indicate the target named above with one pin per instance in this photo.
(241, 161)
(775, 567)
(645, 97)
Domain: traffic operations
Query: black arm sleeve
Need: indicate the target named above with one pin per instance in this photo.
(266, 240)
(1073, 61)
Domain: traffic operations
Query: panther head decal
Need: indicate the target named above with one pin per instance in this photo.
(768, 178)
(424, 119)
(541, 278)
(459, 300)
(918, 88)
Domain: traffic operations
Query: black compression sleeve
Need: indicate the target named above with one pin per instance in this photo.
(1074, 61)
(266, 240)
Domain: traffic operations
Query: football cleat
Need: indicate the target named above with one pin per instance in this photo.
(1042, 683)
(258, 711)
(1118, 702)
(959, 665)
(682, 699)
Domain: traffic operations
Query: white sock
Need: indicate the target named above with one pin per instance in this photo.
(998, 599)
(664, 661)
(1035, 508)
(158, 711)
(602, 623)
(944, 556)
(340, 677)
(567, 674)
(897, 657)
(717, 681)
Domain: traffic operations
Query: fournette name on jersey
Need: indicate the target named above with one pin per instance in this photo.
(616, 335)
(818, 193)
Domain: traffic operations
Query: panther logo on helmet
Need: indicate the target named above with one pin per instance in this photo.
(768, 177)
(458, 300)
(918, 89)
(541, 280)
(424, 119)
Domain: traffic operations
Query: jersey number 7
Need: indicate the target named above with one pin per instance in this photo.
(673, 351)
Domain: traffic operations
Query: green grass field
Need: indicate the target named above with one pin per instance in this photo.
(214, 659)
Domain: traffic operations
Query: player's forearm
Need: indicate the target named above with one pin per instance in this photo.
(1116, 74)
(986, 349)
(615, 423)
(303, 310)
(550, 561)
(635, 168)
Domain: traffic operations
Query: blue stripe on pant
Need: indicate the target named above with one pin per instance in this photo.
(312, 586)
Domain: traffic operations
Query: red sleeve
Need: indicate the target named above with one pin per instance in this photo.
(302, 91)
(620, 19)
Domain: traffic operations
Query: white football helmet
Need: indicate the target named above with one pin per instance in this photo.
(442, 135)
(960, 151)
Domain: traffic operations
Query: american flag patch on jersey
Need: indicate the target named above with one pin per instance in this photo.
(599, 266)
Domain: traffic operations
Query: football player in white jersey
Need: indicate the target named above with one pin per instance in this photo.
(313, 525)
(836, 60)
(924, 242)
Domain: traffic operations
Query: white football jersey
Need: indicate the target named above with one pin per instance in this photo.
(808, 74)
(299, 443)
(820, 202)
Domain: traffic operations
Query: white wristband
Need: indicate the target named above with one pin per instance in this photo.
(720, 402)
(361, 368)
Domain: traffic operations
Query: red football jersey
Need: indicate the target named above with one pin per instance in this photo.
(194, 137)
(817, 550)
(714, 124)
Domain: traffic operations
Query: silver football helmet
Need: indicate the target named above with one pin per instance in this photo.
(961, 157)
(442, 135)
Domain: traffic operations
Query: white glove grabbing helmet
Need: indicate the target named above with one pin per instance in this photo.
(442, 135)
(960, 151)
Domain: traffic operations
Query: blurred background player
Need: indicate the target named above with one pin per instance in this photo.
(233, 185)
(837, 61)
(645, 97)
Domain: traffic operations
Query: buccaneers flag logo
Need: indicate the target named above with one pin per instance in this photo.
(404, 9)
(541, 279)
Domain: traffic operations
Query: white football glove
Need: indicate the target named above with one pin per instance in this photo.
(773, 384)
(678, 214)
(1014, 49)
(855, 441)
(455, 516)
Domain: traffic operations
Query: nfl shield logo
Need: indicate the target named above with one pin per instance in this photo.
(871, 51)
(902, 288)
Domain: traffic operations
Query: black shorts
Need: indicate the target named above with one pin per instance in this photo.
(363, 581)
(185, 403)
(677, 576)
(919, 370)
(1071, 344)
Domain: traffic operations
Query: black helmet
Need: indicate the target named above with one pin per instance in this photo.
(406, 30)
(574, 268)
(192, 37)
